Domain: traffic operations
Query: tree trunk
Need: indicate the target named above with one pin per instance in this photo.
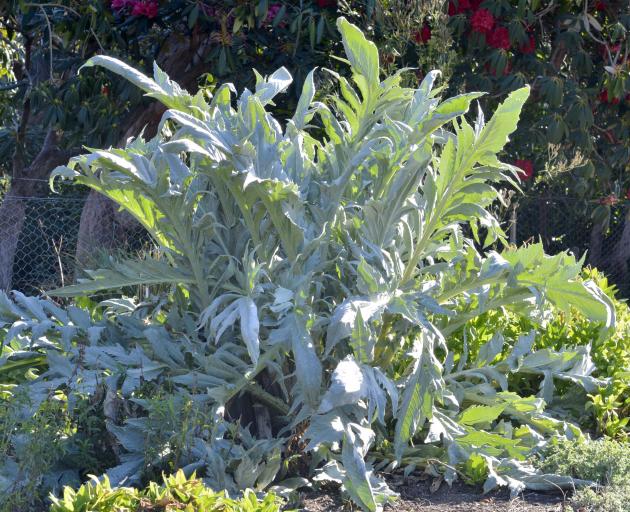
(595, 245)
(618, 266)
(12, 215)
(26, 183)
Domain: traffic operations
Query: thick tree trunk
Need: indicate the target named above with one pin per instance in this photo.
(12, 215)
(618, 265)
(595, 245)
(102, 225)
(26, 183)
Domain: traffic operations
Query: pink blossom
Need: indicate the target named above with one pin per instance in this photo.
(272, 12)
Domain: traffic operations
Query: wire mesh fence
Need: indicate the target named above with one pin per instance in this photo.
(45, 253)
(41, 250)
(565, 223)
(43, 246)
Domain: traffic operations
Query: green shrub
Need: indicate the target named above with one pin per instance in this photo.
(613, 498)
(604, 462)
(310, 273)
(176, 493)
(608, 406)
(46, 444)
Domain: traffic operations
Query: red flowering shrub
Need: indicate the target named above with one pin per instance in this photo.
(527, 168)
(272, 12)
(423, 35)
(507, 69)
(147, 8)
(499, 38)
(458, 7)
(482, 21)
(604, 98)
(609, 200)
(325, 4)
(529, 47)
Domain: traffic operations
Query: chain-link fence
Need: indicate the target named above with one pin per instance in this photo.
(40, 251)
(38, 242)
(565, 223)
(46, 245)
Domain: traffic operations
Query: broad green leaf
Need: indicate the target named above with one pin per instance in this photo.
(495, 133)
(347, 386)
(476, 414)
(123, 274)
(362, 54)
(357, 478)
(421, 389)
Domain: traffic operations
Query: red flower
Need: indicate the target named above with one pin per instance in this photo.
(148, 8)
(603, 97)
(423, 35)
(151, 10)
(499, 38)
(628, 194)
(527, 168)
(528, 47)
(612, 50)
(462, 6)
(493, 71)
(474, 4)
(117, 5)
(600, 5)
(272, 12)
(323, 4)
(105, 90)
(482, 21)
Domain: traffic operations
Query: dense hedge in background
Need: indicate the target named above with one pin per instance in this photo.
(231, 37)
(574, 132)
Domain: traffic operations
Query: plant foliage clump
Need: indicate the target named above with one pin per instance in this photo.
(606, 463)
(177, 493)
(310, 274)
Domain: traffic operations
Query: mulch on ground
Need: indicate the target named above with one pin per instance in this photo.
(417, 496)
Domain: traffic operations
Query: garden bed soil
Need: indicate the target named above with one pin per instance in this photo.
(418, 497)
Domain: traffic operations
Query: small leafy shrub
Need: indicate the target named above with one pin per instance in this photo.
(177, 493)
(608, 407)
(604, 462)
(30, 445)
(607, 499)
(311, 272)
(47, 444)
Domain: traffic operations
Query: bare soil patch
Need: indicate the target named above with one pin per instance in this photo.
(417, 497)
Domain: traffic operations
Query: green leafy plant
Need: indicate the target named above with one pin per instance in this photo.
(605, 463)
(176, 493)
(607, 407)
(310, 275)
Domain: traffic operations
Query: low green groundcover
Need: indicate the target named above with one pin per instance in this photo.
(177, 493)
(605, 463)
